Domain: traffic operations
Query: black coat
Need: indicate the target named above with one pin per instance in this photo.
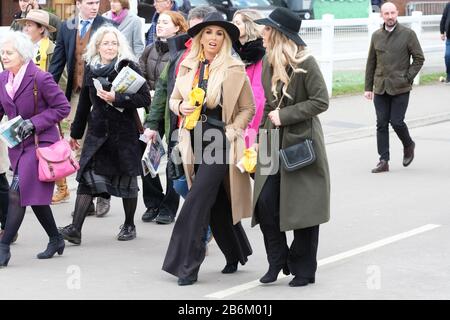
(112, 145)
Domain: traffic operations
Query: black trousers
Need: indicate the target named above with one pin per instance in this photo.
(301, 256)
(207, 203)
(153, 195)
(4, 189)
(391, 109)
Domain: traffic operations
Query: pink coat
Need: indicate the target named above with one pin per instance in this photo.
(254, 74)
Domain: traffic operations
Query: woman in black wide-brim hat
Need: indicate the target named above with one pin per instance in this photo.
(296, 200)
(219, 195)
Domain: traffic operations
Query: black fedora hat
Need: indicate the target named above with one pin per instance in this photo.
(285, 21)
(216, 19)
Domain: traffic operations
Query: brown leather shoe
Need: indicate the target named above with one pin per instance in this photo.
(382, 166)
(408, 154)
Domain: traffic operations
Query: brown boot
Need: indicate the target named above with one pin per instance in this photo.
(382, 166)
(62, 192)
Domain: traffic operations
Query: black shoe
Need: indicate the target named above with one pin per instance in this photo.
(5, 255)
(408, 154)
(71, 234)
(230, 267)
(56, 244)
(150, 214)
(301, 282)
(272, 274)
(164, 217)
(126, 233)
(186, 281)
(90, 212)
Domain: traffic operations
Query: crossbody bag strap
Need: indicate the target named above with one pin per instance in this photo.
(281, 100)
(35, 95)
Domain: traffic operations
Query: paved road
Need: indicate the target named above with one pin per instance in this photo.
(406, 208)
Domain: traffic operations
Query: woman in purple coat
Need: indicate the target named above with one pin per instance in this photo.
(16, 98)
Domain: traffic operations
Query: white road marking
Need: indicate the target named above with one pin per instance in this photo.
(344, 255)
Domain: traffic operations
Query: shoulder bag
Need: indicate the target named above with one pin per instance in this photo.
(55, 161)
(298, 155)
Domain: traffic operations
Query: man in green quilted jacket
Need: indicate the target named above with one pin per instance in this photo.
(389, 77)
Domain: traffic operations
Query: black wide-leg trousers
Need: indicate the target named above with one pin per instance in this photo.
(301, 256)
(207, 203)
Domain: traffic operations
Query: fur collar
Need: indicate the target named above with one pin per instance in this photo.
(250, 52)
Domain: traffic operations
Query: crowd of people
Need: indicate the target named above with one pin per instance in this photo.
(261, 91)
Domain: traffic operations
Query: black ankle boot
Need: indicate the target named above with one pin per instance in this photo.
(5, 255)
(187, 281)
(230, 267)
(272, 274)
(300, 282)
(56, 244)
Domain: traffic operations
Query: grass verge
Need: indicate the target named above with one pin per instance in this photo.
(352, 82)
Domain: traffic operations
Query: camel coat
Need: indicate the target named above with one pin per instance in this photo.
(238, 108)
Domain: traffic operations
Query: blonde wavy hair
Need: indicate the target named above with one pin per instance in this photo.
(217, 69)
(252, 30)
(92, 55)
(282, 52)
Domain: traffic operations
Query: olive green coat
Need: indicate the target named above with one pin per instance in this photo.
(304, 193)
(388, 67)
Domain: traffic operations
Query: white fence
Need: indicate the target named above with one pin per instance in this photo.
(330, 31)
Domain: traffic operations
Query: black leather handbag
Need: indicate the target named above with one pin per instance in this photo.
(298, 155)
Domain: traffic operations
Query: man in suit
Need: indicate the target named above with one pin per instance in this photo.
(71, 43)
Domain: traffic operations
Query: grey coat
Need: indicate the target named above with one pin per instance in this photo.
(131, 28)
(305, 193)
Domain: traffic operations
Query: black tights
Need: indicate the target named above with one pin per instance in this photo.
(83, 202)
(4, 190)
(16, 214)
(129, 206)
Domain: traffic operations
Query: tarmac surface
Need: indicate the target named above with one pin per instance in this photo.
(387, 238)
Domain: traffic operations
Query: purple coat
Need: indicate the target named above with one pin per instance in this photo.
(52, 108)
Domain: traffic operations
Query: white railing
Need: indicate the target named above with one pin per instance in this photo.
(328, 32)
(327, 28)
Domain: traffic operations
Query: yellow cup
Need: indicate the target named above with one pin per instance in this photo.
(196, 97)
